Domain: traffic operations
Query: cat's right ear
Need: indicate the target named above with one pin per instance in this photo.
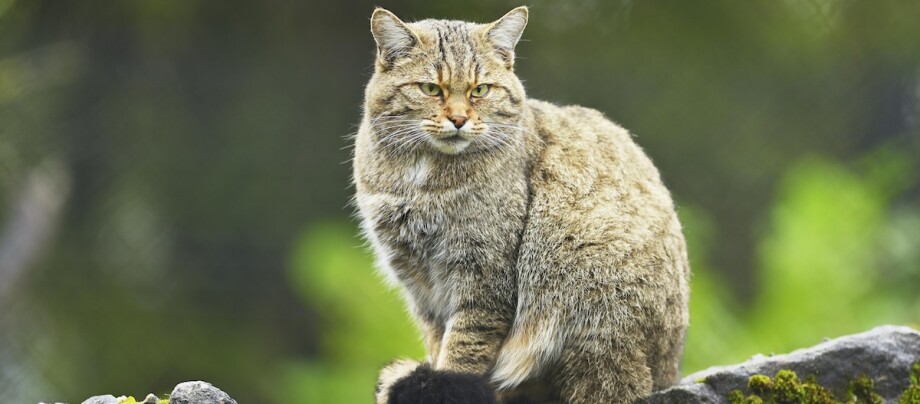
(394, 38)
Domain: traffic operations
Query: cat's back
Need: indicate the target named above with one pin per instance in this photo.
(591, 184)
(586, 155)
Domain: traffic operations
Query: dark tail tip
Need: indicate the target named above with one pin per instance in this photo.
(426, 385)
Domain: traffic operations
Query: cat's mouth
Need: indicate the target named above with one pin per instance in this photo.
(452, 139)
(451, 144)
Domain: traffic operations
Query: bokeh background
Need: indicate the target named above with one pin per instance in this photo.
(174, 180)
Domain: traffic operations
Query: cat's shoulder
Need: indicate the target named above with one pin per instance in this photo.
(574, 124)
(579, 130)
(581, 146)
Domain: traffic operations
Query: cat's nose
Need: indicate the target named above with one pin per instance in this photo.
(458, 120)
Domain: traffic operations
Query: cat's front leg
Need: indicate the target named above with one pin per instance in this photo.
(467, 351)
(472, 338)
(432, 335)
(482, 303)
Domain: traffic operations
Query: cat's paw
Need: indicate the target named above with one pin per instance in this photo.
(426, 385)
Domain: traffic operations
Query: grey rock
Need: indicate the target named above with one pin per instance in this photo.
(884, 354)
(107, 399)
(199, 393)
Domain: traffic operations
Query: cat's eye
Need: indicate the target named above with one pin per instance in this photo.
(480, 90)
(430, 89)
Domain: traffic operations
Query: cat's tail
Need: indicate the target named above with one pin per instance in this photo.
(528, 347)
(408, 382)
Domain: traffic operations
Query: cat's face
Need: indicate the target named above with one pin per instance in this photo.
(447, 86)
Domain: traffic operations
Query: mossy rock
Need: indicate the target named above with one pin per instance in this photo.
(785, 388)
(829, 372)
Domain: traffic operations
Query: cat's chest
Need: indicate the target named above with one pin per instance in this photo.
(429, 227)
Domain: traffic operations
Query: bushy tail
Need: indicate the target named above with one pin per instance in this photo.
(525, 350)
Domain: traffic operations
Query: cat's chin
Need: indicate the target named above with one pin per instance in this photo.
(452, 145)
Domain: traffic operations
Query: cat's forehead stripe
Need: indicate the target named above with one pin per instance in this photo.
(457, 61)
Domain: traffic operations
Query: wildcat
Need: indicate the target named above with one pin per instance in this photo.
(535, 245)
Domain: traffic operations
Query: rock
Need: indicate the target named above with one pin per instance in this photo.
(884, 354)
(199, 393)
(107, 399)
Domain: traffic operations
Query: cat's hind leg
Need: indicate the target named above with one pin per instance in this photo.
(535, 391)
(602, 373)
(664, 352)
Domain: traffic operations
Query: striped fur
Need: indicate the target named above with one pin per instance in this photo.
(536, 244)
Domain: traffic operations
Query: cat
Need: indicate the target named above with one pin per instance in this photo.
(535, 245)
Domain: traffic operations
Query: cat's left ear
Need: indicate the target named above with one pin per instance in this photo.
(505, 33)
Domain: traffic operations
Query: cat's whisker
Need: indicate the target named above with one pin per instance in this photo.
(395, 124)
(399, 122)
(388, 123)
(398, 135)
(414, 141)
(496, 141)
(389, 129)
(393, 119)
(404, 141)
(398, 142)
(513, 126)
(509, 126)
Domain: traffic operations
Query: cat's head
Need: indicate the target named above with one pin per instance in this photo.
(443, 85)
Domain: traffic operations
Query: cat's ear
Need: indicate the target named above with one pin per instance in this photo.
(394, 38)
(505, 33)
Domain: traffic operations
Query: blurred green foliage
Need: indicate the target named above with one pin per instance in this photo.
(836, 258)
(365, 323)
(205, 234)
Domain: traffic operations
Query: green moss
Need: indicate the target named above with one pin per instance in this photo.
(736, 397)
(912, 394)
(784, 388)
(787, 389)
(816, 394)
(132, 400)
(915, 373)
(760, 385)
(753, 400)
(862, 390)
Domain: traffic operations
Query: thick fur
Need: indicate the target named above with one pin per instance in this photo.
(536, 245)
(426, 385)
